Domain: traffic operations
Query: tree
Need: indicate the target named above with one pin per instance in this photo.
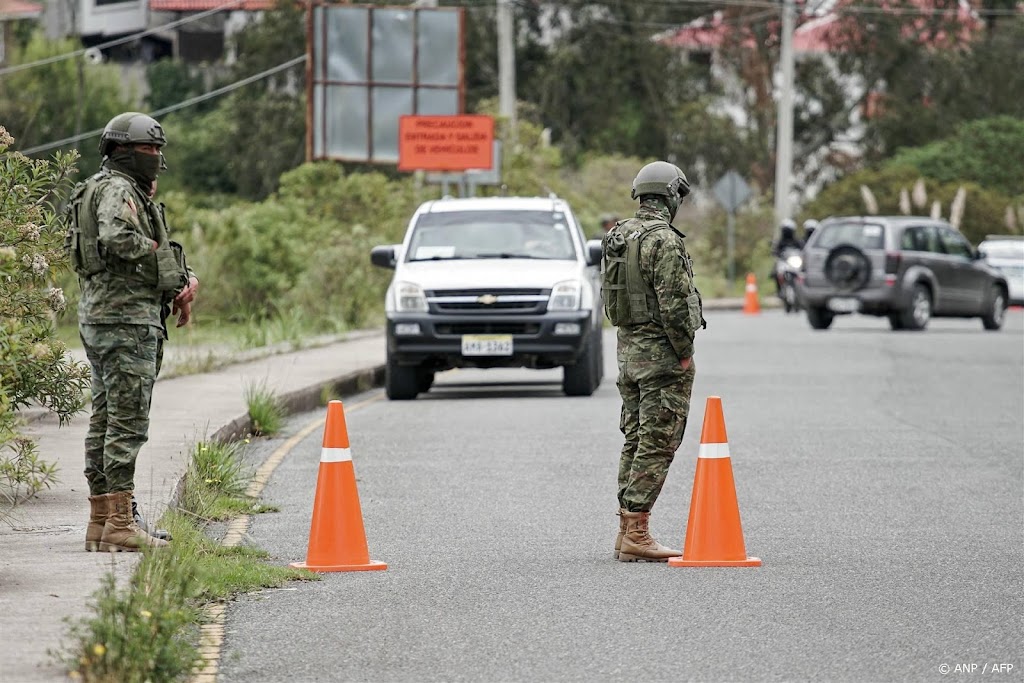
(56, 101)
(257, 132)
(988, 152)
(926, 68)
(608, 87)
(33, 365)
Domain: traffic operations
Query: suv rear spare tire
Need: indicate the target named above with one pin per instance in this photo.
(848, 268)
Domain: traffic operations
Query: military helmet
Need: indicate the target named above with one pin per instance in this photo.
(661, 178)
(131, 128)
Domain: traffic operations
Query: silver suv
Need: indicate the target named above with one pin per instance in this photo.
(494, 282)
(908, 269)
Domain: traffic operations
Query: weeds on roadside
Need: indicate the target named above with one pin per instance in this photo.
(265, 409)
(143, 631)
(215, 482)
(148, 630)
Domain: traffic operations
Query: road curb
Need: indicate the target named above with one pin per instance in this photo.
(308, 398)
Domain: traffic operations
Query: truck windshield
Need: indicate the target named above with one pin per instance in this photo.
(491, 234)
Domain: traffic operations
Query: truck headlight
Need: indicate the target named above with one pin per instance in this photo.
(565, 296)
(409, 298)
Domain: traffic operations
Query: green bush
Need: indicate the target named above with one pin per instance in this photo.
(988, 153)
(984, 210)
(33, 365)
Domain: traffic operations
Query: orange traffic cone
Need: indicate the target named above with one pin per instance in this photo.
(337, 541)
(751, 303)
(714, 536)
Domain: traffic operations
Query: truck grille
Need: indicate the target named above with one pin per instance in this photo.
(456, 329)
(476, 301)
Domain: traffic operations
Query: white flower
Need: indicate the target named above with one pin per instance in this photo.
(40, 265)
(31, 231)
(56, 299)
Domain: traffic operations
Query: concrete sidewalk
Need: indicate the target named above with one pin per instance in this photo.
(45, 573)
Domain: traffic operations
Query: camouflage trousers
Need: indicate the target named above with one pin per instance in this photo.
(655, 406)
(125, 360)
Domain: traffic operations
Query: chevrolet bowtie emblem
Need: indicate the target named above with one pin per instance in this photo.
(487, 299)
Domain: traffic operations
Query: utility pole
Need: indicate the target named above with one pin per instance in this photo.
(507, 65)
(784, 134)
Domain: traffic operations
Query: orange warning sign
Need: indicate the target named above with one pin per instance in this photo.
(445, 143)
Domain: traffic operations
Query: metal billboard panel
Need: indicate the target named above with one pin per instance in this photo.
(437, 44)
(389, 104)
(393, 46)
(347, 31)
(368, 66)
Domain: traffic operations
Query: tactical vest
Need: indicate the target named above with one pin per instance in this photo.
(160, 269)
(628, 300)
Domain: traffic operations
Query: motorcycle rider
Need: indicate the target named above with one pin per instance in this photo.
(810, 225)
(787, 240)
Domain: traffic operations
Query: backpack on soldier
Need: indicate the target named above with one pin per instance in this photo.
(81, 241)
(622, 286)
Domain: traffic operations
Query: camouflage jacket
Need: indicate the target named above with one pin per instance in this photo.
(667, 268)
(128, 222)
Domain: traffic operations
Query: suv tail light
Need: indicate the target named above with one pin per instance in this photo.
(892, 267)
(892, 262)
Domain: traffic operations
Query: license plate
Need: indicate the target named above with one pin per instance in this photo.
(487, 345)
(844, 305)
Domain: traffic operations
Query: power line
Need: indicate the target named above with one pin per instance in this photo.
(175, 107)
(838, 9)
(853, 9)
(119, 41)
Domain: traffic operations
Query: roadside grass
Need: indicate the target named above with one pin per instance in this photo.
(265, 409)
(205, 333)
(148, 629)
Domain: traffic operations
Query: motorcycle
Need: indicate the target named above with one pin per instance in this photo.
(787, 269)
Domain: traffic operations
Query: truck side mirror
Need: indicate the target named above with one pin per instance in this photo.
(593, 252)
(383, 256)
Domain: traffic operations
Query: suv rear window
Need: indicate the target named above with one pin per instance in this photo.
(863, 235)
(491, 234)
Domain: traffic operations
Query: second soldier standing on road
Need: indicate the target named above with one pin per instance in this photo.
(650, 295)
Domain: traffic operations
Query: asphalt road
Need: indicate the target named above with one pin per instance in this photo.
(879, 477)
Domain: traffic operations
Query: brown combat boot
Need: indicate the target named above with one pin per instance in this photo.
(121, 533)
(97, 518)
(622, 532)
(637, 544)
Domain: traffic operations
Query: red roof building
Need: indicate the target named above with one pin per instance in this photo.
(816, 32)
(19, 9)
(204, 5)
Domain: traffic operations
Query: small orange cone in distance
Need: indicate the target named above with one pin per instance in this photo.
(751, 302)
(714, 536)
(337, 540)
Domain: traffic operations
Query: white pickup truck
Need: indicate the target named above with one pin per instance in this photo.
(493, 282)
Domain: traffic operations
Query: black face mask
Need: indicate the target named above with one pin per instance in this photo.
(142, 167)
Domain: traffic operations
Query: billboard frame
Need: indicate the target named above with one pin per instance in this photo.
(312, 82)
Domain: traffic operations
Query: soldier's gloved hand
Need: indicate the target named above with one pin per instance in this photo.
(685, 363)
(183, 311)
(186, 295)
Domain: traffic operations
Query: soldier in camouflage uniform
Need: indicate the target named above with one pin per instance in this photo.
(650, 296)
(131, 276)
